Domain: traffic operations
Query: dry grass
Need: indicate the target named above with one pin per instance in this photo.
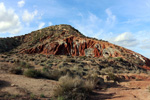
(74, 88)
(32, 73)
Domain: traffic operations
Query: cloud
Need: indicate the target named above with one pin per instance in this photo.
(125, 39)
(145, 46)
(41, 25)
(89, 25)
(50, 23)
(9, 21)
(29, 16)
(21, 3)
(144, 40)
(111, 19)
(93, 26)
(132, 21)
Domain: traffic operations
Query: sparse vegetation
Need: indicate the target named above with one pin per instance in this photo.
(33, 73)
(112, 77)
(16, 70)
(42, 96)
(148, 88)
(76, 76)
(52, 74)
(23, 64)
(32, 96)
(74, 88)
(107, 70)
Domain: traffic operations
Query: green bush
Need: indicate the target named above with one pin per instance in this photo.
(16, 70)
(94, 76)
(23, 64)
(70, 60)
(112, 76)
(148, 88)
(32, 73)
(51, 74)
(27, 65)
(107, 70)
(74, 88)
(60, 98)
(119, 58)
(42, 96)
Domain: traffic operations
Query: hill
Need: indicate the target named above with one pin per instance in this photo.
(66, 40)
(59, 63)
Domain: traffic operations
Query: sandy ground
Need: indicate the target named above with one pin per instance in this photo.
(128, 90)
(18, 84)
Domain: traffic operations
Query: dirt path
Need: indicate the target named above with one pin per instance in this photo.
(131, 90)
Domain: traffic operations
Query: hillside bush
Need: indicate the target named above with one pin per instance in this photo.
(93, 76)
(23, 64)
(107, 70)
(51, 74)
(74, 88)
(32, 73)
(16, 70)
(113, 77)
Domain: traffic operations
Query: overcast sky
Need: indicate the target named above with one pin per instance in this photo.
(122, 22)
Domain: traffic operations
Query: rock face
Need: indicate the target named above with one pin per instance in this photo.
(76, 46)
(65, 40)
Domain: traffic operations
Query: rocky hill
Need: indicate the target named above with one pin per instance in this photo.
(66, 65)
(66, 40)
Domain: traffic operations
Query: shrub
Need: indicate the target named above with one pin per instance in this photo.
(60, 98)
(32, 59)
(36, 62)
(138, 71)
(51, 74)
(119, 58)
(93, 76)
(50, 65)
(148, 88)
(16, 70)
(148, 72)
(112, 76)
(74, 88)
(45, 69)
(42, 96)
(70, 60)
(32, 96)
(76, 70)
(27, 65)
(83, 57)
(107, 70)
(23, 64)
(32, 73)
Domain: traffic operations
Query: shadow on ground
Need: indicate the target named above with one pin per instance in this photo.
(97, 95)
(101, 96)
(4, 84)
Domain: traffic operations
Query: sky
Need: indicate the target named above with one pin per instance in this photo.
(122, 22)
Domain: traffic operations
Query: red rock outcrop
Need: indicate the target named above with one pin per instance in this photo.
(76, 46)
